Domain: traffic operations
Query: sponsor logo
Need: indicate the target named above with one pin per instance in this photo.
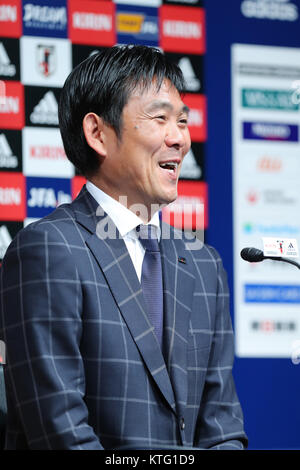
(10, 18)
(48, 61)
(5, 240)
(190, 169)
(12, 189)
(193, 164)
(8, 230)
(7, 69)
(189, 211)
(192, 82)
(40, 19)
(272, 293)
(45, 194)
(150, 3)
(10, 196)
(270, 131)
(47, 152)
(94, 18)
(8, 13)
(274, 197)
(252, 196)
(182, 29)
(269, 70)
(43, 153)
(12, 106)
(280, 100)
(197, 116)
(192, 69)
(282, 10)
(10, 151)
(46, 111)
(283, 247)
(269, 164)
(275, 230)
(270, 326)
(137, 24)
(92, 21)
(7, 159)
(296, 92)
(9, 59)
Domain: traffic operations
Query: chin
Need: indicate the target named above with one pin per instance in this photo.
(168, 199)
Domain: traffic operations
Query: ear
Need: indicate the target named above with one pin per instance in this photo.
(93, 128)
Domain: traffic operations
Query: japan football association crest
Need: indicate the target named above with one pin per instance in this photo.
(46, 60)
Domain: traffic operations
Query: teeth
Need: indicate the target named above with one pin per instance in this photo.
(168, 165)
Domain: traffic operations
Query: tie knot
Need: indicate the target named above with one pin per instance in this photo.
(148, 237)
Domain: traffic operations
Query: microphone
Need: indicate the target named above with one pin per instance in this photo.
(254, 255)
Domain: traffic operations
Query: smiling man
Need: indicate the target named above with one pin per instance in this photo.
(144, 164)
(119, 342)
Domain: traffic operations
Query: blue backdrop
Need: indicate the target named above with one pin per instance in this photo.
(268, 388)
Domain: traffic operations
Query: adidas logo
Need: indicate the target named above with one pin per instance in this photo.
(7, 159)
(190, 169)
(45, 112)
(7, 69)
(5, 240)
(282, 10)
(192, 82)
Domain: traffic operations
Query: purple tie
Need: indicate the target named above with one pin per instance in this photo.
(152, 278)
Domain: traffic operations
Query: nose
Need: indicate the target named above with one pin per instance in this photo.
(176, 136)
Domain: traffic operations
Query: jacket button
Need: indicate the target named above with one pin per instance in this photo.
(182, 424)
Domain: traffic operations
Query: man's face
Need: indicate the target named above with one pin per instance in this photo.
(144, 164)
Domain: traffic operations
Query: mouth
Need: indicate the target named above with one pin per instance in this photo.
(171, 167)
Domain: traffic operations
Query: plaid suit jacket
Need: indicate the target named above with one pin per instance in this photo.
(84, 369)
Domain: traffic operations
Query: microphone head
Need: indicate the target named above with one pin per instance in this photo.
(253, 255)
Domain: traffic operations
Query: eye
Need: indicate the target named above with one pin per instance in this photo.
(183, 121)
(162, 117)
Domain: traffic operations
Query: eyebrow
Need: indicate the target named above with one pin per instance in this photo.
(159, 104)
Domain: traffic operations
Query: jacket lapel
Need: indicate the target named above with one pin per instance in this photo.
(114, 260)
(179, 282)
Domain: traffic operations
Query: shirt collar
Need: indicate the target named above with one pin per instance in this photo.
(124, 219)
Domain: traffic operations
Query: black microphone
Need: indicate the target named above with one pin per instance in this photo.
(254, 255)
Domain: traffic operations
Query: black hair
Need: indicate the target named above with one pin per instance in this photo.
(102, 84)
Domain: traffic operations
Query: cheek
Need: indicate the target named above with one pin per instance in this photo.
(187, 140)
(187, 148)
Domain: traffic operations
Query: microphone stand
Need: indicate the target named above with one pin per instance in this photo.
(254, 255)
(286, 260)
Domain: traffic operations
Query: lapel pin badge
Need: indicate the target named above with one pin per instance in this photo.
(182, 260)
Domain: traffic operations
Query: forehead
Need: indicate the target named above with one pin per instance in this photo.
(152, 98)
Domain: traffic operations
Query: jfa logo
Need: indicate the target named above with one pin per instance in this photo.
(45, 194)
(46, 59)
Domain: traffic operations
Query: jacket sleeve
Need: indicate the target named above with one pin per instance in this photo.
(220, 420)
(41, 325)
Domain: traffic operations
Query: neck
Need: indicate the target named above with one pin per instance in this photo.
(141, 209)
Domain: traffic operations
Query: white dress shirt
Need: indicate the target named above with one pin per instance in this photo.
(126, 222)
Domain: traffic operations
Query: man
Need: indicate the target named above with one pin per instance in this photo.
(112, 344)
